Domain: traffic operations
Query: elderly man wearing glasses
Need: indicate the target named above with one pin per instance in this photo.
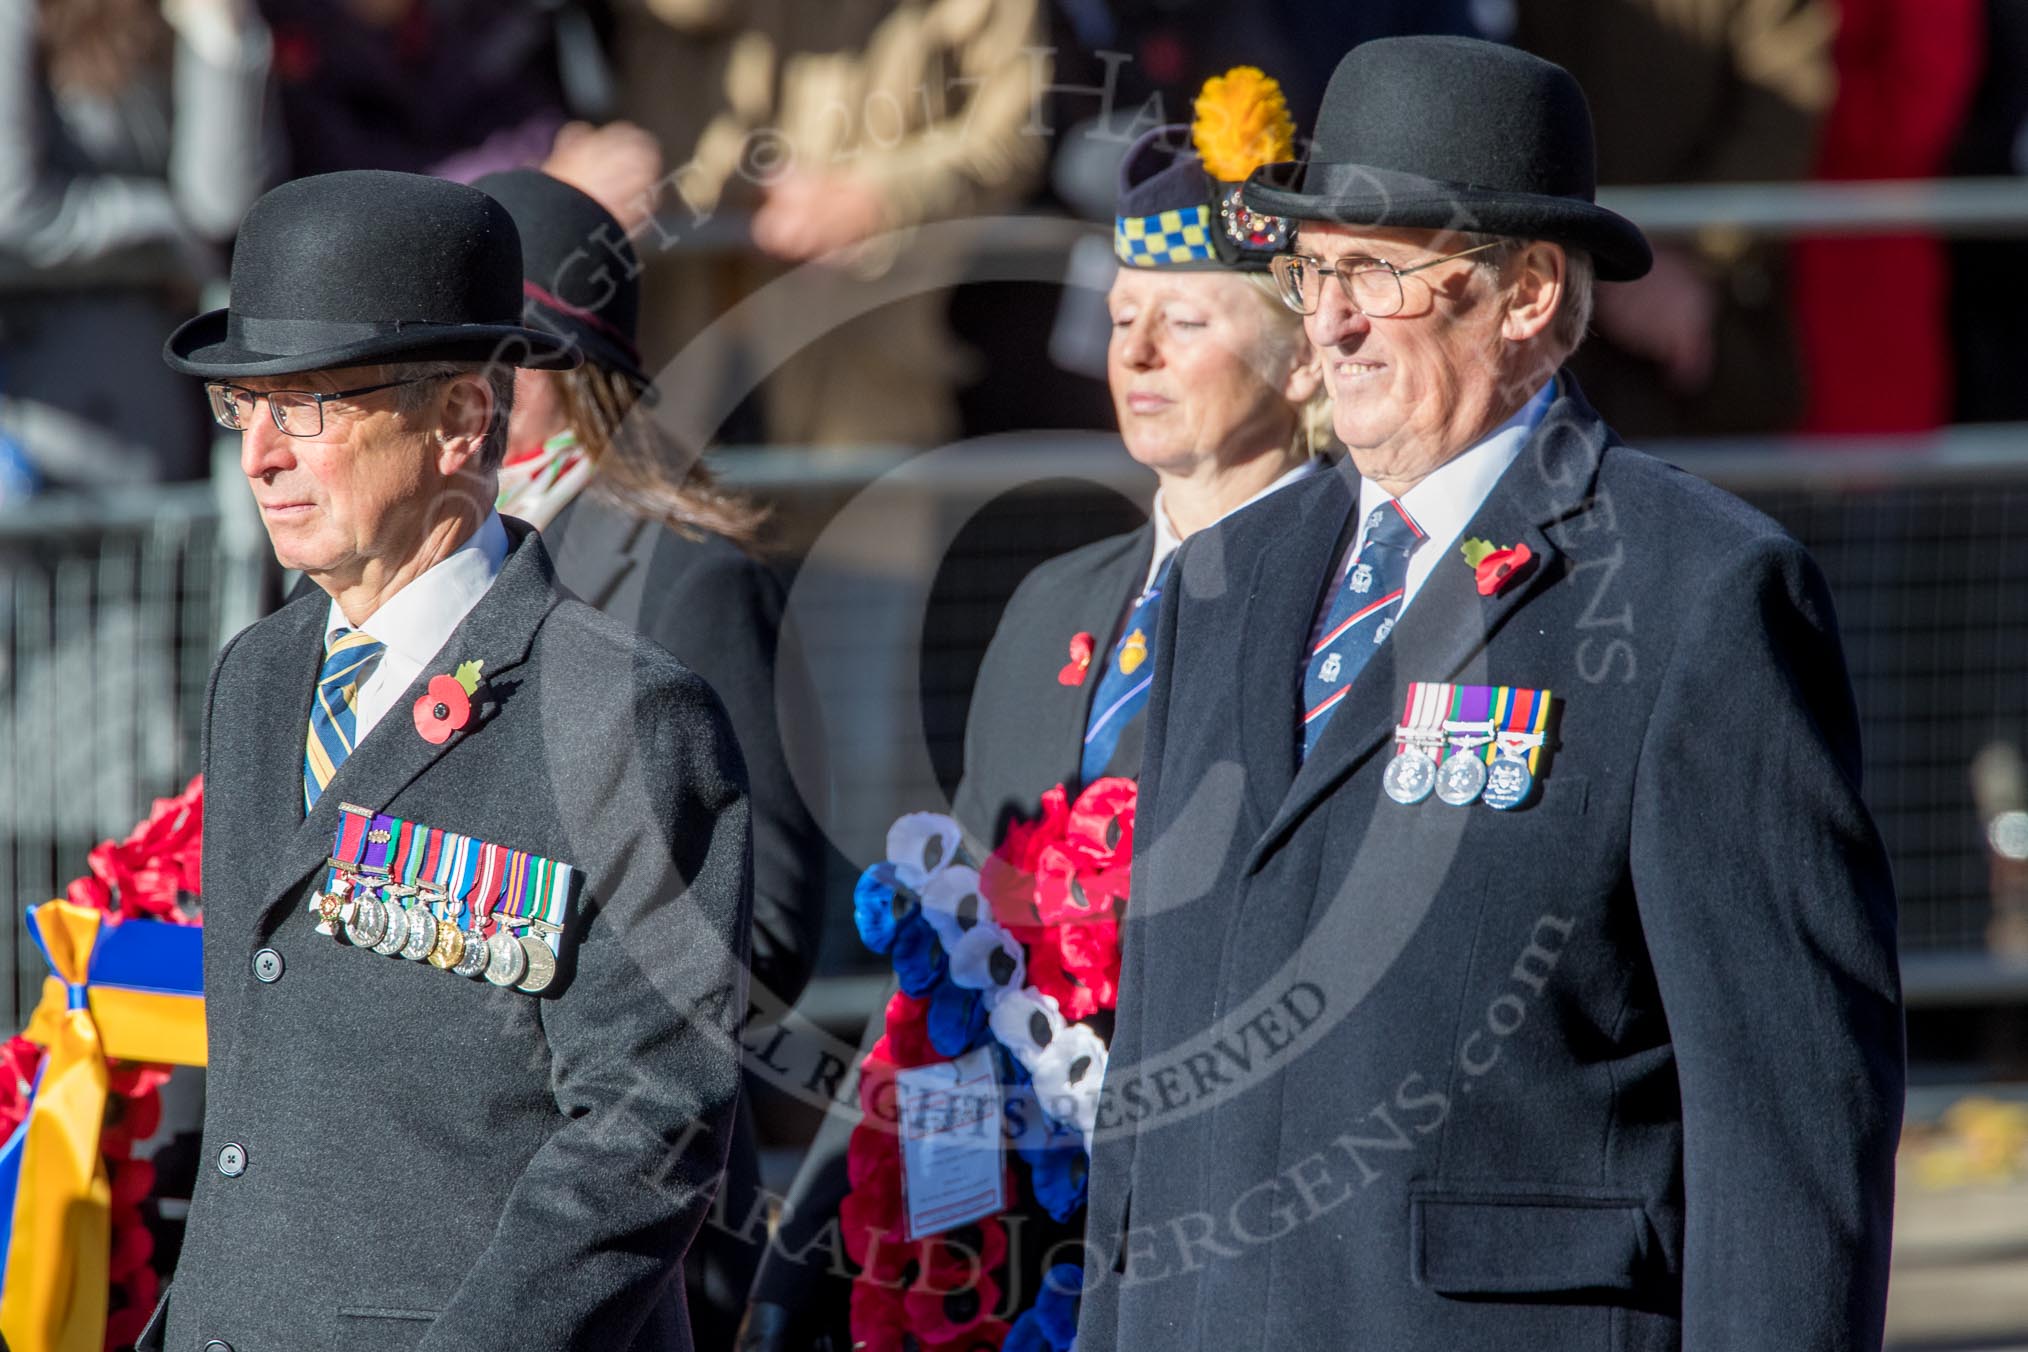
(476, 869)
(1512, 960)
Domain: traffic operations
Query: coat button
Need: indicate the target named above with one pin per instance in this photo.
(232, 1160)
(267, 966)
(218, 1345)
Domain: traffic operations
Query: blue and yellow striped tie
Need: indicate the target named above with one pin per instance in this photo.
(334, 714)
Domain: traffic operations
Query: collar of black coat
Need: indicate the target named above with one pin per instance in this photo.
(595, 544)
(260, 710)
(1443, 636)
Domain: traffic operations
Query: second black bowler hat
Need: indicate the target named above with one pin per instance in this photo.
(580, 275)
(1458, 134)
(363, 267)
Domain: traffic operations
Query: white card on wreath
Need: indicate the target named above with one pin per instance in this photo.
(949, 1116)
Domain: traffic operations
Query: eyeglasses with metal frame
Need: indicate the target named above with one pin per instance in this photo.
(1372, 285)
(297, 413)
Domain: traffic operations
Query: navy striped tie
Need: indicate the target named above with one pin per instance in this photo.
(334, 714)
(1123, 686)
(1361, 617)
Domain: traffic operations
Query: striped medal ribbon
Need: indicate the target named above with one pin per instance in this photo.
(1412, 774)
(1514, 758)
(1469, 730)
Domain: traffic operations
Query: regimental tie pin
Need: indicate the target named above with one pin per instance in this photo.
(1133, 652)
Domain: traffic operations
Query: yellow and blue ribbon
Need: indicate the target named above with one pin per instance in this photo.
(128, 991)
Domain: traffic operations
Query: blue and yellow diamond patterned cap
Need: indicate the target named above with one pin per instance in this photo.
(1179, 203)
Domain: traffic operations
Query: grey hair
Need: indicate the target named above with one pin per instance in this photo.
(499, 379)
(1313, 419)
(1572, 321)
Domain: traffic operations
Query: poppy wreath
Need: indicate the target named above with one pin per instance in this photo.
(1019, 954)
(154, 874)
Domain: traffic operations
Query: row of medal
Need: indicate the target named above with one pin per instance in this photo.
(464, 906)
(1468, 743)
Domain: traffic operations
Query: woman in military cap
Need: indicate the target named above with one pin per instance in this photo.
(1220, 394)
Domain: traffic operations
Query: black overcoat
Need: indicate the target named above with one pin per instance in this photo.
(1621, 1068)
(411, 1159)
(1024, 735)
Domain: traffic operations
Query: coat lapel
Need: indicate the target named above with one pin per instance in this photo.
(594, 547)
(1279, 617)
(1097, 609)
(1449, 623)
(268, 759)
(498, 633)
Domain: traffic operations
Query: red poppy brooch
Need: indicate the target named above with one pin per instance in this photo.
(446, 706)
(1082, 646)
(1496, 566)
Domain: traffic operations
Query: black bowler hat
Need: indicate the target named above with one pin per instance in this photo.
(580, 275)
(1179, 199)
(368, 266)
(1458, 134)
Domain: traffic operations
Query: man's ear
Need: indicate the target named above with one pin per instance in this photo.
(1539, 275)
(466, 414)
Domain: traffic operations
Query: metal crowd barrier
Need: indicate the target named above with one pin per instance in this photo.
(111, 609)
(1924, 542)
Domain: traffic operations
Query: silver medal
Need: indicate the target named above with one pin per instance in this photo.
(541, 965)
(508, 960)
(1460, 778)
(366, 924)
(397, 929)
(1508, 783)
(1410, 776)
(422, 934)
(476, 955)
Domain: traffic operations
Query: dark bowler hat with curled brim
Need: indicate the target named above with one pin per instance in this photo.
(1455, 134)
(363, 267)
(580, 275)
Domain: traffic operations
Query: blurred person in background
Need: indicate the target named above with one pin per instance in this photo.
(133, 141)
(1220, 394)
(1694, 91)
(1868, 305)
(1989, 288)
(455, 88)
(838, 124)
(644, 532)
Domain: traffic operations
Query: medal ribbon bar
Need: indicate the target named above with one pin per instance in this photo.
(1523, 718)
(1470, 725)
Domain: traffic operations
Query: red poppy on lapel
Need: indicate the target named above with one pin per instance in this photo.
(1082, 645)
(443, 709)
(1496, 567)
(446, 705)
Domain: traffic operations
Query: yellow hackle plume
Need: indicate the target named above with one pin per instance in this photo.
(1242, 123)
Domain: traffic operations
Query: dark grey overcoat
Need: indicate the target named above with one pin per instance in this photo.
(1619, 1069)
(718, 610)
(396, 1157)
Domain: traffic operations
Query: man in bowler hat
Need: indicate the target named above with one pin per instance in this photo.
(1512, 958)
(441, 1154)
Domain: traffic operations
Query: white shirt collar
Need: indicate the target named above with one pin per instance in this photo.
(1446, 500)
(416, 621)
(1167, 541)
